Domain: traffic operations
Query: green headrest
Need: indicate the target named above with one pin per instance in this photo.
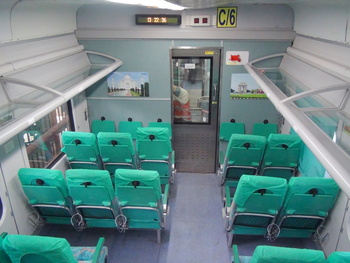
(302, 185)
(159, 133)
(238, 140)
(124, 177)
(269, 254)
(229, 128)
(68, 137)
(339, 257)
(292, 141)
(123, 138)
(50, 177)
(95, 177)
(102, 125)
(248, 184)
(55, 249)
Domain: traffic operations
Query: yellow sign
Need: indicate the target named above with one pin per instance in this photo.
(209, 52)
(226, 17)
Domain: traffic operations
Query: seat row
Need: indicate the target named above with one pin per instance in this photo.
(233, 127)
(114, 150)
(273, 207)
(129, 126)
(86, 198)
(276, 156)
(289, 255)
(26, 248)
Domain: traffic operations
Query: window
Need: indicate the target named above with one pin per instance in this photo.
(43, 138)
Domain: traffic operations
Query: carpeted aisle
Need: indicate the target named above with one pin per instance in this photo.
(197, 232)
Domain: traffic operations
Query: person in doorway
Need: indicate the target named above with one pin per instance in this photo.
(181, 103)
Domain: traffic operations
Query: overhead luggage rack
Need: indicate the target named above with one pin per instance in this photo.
(312, 100)
(32, 101)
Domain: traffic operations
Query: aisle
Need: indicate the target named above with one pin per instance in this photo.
(197, 232)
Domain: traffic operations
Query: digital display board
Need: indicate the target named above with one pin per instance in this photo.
(172, 20)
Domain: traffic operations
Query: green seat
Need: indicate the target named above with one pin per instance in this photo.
(130, 127)
(226, 130)
(47, 193)
(306, 205)
(102, 125)
(117, 151)
(93, 196)
(155, 152)
(281, 155)
(339, 257)
(270, 254)
(255, 205)
(160, 124)
(229, 128)
(82, 150)
(243, 156)
(40, 249)
(4, 258)
(265, 129)
(140, 200)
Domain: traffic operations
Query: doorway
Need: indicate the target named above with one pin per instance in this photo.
(195, 93)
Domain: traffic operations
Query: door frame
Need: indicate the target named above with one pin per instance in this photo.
(216, 54)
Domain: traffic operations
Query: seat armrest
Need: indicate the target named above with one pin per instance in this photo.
(98, 250)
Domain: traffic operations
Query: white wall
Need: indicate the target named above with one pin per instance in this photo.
(326, 21)
(32, 19)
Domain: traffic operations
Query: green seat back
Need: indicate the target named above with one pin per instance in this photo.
(248, 199)
(140, 202)
(38, 249)
(130, 127)
(4, 258)
(299, 201)
(264, 129)
(270, 254)
(339, 257)
(229, 128)
(245, 150)
(102, 126)
(116, 147)
(282, 150)
(90, 187)
(162, 125)
(44, 186)
(153, 143)
(147, 179)
(85, 151)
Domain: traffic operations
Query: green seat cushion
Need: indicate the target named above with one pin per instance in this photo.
(122, 138)
(238, 140)
(301, 185)
(57, 250)
(124, 177)
(339, 257)
(248, 184)
(292, 141)
(160, 133)
(50, 177)
(270, 254)
(76, 177)
(229, 128)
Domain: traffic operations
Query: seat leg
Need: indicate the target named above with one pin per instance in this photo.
(159, 236)
(230, 239)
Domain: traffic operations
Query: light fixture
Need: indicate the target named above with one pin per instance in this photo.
(150, 3)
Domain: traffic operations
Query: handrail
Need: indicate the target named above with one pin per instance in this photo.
(321, 90)
(333, 158)
(17, 125)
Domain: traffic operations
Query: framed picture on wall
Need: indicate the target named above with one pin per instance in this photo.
(243, 86)
(128, 84)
